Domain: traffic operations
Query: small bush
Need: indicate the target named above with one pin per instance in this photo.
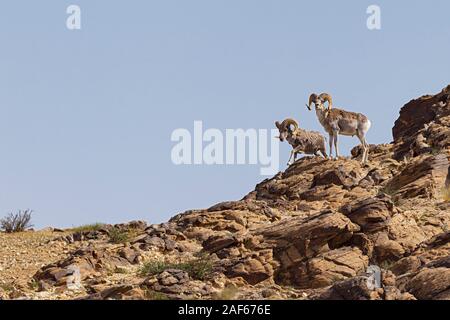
(33, 284)
(16, 222)
(388, 190)
(120, 235)
(120, 270)
(198, 268)
(154, 267)
(155, 295)
(88, 227)
(391, 192)
(229, 293)
(387, 264)
(7, 286)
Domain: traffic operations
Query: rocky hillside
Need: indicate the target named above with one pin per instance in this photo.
(310, 232)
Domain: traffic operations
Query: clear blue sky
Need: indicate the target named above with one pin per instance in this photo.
(86, 116)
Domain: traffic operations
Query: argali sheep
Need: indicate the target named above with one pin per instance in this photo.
(302, 141)
(340, 122)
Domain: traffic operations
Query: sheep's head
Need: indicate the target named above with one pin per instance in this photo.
(319, 101)
(285, 128)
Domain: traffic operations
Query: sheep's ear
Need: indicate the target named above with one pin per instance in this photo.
(277, 124)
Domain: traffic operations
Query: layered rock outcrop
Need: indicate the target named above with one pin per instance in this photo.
(313, 231)
(423, 126)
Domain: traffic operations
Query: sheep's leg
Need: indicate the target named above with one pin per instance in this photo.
(290, 158)
(365, 153)
(336, 147)
(366, 158)
(331, 141)
(294, 154)
(365, 148)
(323, 150)
(295, 157)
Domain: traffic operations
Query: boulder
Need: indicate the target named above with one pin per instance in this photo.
(386, 249)
(298, 239)
(357, 289)
(342, 175)
(219, 242)
(251, 269)
(430, 284)
(130, 254)
(372, 214)
(424, 176)
(423, 126)
(330, 267)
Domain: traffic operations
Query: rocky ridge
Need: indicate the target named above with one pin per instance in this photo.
(310, 232)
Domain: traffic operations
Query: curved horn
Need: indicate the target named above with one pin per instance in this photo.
(327, 97)
(312, 98)
(288, 122)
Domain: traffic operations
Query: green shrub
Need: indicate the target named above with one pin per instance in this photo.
(33, 284)
(88, 227)
(154, 267)
(119, 235)
(198, 268)
(155, 295)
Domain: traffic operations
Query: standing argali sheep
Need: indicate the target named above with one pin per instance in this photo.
(340, 122)
(302, 141)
